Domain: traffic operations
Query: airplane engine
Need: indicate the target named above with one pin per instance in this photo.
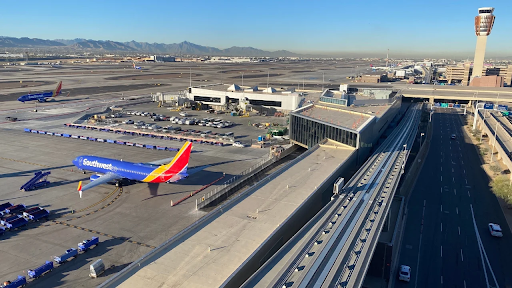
(94, 177)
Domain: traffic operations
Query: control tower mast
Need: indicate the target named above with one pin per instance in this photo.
(483, 26)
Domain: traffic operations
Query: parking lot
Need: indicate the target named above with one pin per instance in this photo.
(198, 124)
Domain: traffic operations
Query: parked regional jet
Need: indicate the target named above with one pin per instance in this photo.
(116, 170)
(41, 97)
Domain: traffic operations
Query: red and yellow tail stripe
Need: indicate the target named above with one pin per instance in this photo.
(178, 164)
(57, 90)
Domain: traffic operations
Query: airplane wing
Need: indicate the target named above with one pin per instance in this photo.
(102, 180)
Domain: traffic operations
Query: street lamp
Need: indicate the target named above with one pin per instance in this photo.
(494, 142)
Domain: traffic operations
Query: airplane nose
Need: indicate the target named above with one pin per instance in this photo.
(75, 162)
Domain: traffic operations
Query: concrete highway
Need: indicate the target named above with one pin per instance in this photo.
(446, 241)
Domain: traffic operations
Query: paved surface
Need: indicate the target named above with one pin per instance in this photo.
(129, 224)
(451, 194)
(239, 230)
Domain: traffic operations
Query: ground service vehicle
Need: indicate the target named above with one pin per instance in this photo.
(36, 273)
(86, 244)
(64, 257)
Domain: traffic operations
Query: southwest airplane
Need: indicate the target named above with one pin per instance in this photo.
(117, 170)
(42, 96)
(136, 67)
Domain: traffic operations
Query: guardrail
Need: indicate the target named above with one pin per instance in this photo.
(210, 197)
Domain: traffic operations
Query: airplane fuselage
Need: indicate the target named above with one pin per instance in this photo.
(35, 97)
(134, 171)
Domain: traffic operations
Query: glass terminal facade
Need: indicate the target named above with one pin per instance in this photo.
(310, 132)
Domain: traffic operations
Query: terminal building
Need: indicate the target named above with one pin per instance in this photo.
(354, 120)
(462, 74)
(222, 97)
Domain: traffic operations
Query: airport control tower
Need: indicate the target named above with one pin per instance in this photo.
(483, 27)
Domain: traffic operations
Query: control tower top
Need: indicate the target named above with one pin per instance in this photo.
(484, 21)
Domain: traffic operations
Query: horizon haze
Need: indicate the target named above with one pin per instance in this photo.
(439, 29)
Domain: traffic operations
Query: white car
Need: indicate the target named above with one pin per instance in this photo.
(129, 121)
(183, 114)
(238, 144)
(405, 273)
(495, 230)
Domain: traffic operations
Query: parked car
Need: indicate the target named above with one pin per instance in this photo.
(129, 121)
(238, 144)
(183, 114)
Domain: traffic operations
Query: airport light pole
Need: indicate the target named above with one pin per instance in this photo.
(495, 136)
(323, 80)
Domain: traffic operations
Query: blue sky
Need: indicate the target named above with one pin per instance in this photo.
(405, 27)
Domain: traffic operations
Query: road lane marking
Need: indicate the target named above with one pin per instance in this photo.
(441, 251)
(457, 209)
(466, 181)
(464, 283)
(461, 255)
(462, 162)
(421, 238)
(453, 178)
(441, 168)
(441, 279)
(455, 191)
(465, 172)
(469, 195)
(452, 170)
(441, 207)
(441, 178)
(459, 230)
(441, 227)
(482, 252)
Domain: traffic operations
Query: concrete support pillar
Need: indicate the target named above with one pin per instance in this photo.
(431, 100)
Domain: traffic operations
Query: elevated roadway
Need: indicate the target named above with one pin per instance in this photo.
(334, 249)
(465, 93)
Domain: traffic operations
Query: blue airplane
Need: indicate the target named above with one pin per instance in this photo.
(41, 97)
(136, 67)
(117, 170)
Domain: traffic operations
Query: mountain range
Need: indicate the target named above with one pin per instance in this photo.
(183, 48)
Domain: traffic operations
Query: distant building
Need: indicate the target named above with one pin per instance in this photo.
(220, 97)
(159, 58)
(487, 81)
(10, 55)
(462, 74)
(373, 77)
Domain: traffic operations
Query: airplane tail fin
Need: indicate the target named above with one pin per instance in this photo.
(79, 188)
(180, 162)
(56, 92)
(177, 168)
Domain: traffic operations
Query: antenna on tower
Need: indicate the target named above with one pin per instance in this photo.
(387, 58)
